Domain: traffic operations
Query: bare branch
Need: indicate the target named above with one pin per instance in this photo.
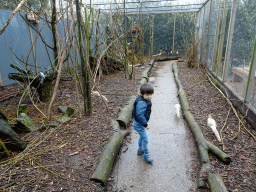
(12, 15)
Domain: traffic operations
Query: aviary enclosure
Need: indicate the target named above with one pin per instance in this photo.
(63, 60)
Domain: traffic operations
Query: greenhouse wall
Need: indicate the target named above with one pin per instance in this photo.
(15, 44)
(226, 44)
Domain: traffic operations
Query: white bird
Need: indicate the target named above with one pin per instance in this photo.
(211, 123)
(177, 109)
(96, 93)
(42, 75)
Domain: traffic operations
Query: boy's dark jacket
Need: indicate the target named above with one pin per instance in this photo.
(147, 112)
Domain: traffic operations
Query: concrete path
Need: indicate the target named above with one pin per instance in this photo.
(170, 144)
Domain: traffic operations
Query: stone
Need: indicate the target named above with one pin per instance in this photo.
(64, 119)
(48, 126)
(24, 123)
(68, 111)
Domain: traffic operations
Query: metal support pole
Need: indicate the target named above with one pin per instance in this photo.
(229, 41)
(251, 77)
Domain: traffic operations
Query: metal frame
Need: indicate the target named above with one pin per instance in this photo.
(229, 40)
(147, 9)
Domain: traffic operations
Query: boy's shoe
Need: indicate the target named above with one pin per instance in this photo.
(140, 151)
(148, 158)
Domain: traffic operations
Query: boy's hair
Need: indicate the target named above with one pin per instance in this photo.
(146, 88)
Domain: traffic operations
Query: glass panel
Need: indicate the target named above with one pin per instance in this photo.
(242, 46)
(212, 32)
(223, 37)
(205, 32)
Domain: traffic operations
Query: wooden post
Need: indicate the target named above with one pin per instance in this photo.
(1, 81)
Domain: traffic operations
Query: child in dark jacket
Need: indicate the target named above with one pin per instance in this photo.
(141, 114)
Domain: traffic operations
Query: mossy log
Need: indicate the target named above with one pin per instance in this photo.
(146, 72)
(203, 145)
(108, 155)
(167, 58)
(10, 137)
(216, 183)
(125, 114)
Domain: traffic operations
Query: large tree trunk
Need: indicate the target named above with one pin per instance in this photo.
(108, 156)
(203, 145)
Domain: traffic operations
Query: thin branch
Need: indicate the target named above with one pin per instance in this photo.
(223, 129)
(12, 15)
(60, 68)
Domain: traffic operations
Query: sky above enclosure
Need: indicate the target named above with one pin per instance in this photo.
(147, 6)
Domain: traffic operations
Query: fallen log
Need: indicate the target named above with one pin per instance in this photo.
(216, 183)
(9, 135)
(108, 155)
(167, 58)
(125, 114)
(203, 145)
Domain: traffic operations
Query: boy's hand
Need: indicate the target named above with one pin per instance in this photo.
(147, 127)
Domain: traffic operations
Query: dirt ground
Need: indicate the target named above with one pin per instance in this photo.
(204, 99)
(71, 151)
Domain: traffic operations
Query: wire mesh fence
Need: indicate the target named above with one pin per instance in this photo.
(226, 35)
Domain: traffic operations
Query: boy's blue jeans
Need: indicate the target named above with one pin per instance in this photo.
(143, 140)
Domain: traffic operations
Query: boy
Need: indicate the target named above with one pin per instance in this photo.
(141, 114)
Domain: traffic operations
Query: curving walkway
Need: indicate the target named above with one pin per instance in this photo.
(170, 143)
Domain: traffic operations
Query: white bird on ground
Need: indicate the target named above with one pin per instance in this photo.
(177, 109)
(212, 123)
(96, 93)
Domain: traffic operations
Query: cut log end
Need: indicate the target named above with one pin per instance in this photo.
(121, 123)
(97, 180)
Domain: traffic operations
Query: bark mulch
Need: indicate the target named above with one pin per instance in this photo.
(72, 150)
(204, 99)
